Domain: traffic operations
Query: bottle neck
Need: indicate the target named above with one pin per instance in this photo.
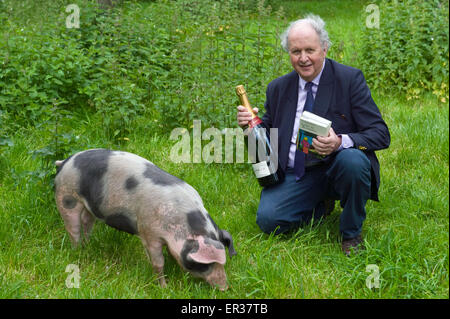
(245, 103)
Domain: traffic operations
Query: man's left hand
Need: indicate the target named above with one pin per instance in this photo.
(327, 145)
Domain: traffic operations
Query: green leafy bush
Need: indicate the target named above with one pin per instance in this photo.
(172, 62)
(409, 51)
(108, 65)
(4, 139)
(217, 46)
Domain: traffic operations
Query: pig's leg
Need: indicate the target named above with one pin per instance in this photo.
(155, 252)
(87, 220)
(70, 210)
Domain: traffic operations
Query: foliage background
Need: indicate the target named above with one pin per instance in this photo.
(174, 63)
(412, 46)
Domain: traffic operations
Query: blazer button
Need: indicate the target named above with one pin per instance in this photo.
(362, 148)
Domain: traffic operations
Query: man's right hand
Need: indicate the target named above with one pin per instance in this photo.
(244, 116)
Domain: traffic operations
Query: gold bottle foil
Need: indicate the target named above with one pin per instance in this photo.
(240, 91)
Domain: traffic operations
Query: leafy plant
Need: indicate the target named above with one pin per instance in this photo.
(4, 139)
(409, 51)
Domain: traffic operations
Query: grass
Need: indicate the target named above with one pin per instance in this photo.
(406, 232)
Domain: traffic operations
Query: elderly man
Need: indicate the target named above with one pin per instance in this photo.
(349, 171)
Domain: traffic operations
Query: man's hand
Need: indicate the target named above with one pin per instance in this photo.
(244, 116)
(327, 145)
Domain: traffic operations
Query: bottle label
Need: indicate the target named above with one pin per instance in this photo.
(255, 121)
(261, 169)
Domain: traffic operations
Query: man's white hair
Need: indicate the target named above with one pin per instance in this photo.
(316, 23)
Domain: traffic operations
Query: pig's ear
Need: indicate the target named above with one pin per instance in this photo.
(227, 240)
(209, 251)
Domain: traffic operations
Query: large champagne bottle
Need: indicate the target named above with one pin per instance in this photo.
(265, 166)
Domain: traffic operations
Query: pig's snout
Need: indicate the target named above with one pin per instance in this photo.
(217, 277)
(205, 258)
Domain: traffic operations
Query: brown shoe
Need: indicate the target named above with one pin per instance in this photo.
(353, 244)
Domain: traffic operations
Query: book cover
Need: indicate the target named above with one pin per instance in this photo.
(304, 141)
(311, 125)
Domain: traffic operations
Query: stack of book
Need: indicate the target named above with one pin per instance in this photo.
(311, 125)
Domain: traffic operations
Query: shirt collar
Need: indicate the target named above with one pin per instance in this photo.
(316, 80)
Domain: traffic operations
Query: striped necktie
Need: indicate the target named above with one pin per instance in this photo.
(299, 161)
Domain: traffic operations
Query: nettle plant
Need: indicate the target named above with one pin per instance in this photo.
(131, 61)
(217, 47)
(409, 51)
(4, 138)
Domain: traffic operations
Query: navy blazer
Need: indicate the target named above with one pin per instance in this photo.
(344, 98)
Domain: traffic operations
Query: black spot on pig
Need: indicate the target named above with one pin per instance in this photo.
(197, 222)
(69, 202)
(160, 177)
(212, 222)
(122, 221)
(213, 242)
(226, 239)
(131, 183)
(212, 235)
(191, 246)
(92, 165)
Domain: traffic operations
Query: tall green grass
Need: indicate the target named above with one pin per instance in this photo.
(406, 232)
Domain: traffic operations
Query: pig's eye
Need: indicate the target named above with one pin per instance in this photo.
(197, 267)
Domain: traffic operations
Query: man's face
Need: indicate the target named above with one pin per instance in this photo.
(305, 51)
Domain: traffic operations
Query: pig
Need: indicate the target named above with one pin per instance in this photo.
(133, 195)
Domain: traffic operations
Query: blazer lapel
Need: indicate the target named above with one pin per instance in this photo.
(290, 105)
(324, 91)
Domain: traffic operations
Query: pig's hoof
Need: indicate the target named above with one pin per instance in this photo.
(75, 245)
(162, 282)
